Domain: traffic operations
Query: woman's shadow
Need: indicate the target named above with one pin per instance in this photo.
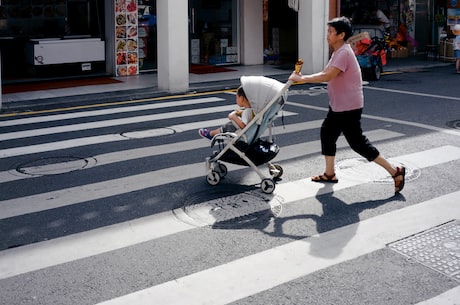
(326, 242)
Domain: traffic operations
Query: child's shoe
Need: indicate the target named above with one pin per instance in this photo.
(205, 133)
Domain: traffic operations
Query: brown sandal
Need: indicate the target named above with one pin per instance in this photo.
(325, 178)
(400, 171)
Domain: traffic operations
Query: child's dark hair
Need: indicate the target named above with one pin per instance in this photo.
(240, 92)
(342, 25)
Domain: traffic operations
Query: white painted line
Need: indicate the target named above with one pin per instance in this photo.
(300, 189)
(384, 119)
(253, 274)
(72, 247)
(113, 122)
(78, 142)
(114, 157)
(78, 194)
(302, 149)
(446, 97)
(125, 155)
(86, 114)
(31, 257)
(450, 297)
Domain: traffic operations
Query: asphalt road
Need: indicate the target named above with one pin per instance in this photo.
(109, 204)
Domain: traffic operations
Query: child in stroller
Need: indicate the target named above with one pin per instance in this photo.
(238, 119)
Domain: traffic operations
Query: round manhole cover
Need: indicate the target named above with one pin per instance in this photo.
(54, 165)
(454, 124)
(224, 211)
(362, 170)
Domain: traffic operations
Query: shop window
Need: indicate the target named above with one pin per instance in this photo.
(213, 32)
(83, 18)
(147, 35)
(24, 24)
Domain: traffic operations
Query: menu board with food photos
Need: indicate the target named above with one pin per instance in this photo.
(126, 45)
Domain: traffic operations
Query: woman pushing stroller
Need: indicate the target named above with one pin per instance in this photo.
(238, 119)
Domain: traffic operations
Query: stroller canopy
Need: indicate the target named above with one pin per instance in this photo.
(261, 90)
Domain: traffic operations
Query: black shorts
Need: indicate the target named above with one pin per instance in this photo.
(348, 123)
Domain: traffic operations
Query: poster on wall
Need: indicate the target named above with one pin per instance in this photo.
(453, 16)
(126, 40)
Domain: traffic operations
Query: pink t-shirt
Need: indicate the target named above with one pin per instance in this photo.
(345, 90)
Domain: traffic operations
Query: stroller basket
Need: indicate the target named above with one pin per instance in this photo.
(260, 152)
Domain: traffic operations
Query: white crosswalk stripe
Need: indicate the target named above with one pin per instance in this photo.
(78, 194)
(243, 276)
(89, 241)
(295, 259)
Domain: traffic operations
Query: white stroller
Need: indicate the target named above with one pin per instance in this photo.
(245, 147)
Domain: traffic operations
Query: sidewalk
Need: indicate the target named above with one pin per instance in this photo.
(145, 85)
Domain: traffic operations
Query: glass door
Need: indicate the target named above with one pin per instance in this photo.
(147, 35)
(213, 32)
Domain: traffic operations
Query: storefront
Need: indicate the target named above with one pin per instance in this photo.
(427, 22)
(54, 38)
(447, 16)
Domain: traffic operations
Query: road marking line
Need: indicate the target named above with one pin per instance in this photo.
(78, 142)
(303, 188)
(450, 297)
(241, 278)
(78, 194)
(32, 257)
(414, 93)
(131, 154)
(53, 252)
(111, 104)
(113, 122)
(92, 113)
(384, 119)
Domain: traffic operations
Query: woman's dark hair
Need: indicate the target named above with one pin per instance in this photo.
(240, 92)
(342, 25)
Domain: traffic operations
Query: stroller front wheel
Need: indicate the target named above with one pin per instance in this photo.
(267, 186)
(213, 178)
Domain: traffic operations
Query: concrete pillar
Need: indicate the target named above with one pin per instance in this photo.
(313, 47)
(109, 13)
(252, 33)
(173, 44)
(1, 94)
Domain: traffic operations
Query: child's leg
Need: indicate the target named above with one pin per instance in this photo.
(215, 131)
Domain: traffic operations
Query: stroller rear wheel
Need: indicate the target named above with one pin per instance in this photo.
(221, 169)
(275, 170)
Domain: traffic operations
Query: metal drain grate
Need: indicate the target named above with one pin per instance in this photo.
(437, 248)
